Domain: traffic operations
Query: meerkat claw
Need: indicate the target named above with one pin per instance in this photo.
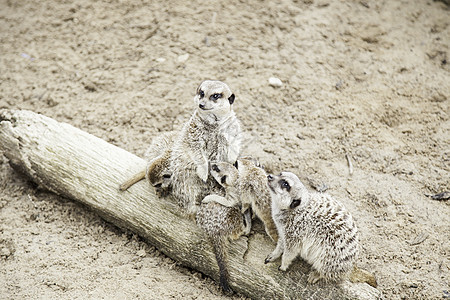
(268, 259)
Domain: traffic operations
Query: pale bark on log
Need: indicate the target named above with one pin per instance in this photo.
(82, 167)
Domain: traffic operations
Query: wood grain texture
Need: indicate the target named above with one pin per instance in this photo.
(82, 167)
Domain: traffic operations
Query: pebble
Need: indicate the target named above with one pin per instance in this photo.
(183, 58)
(141, 253)
(275, 82)
(5, 252)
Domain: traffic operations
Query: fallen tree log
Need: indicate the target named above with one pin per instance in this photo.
(82, 167)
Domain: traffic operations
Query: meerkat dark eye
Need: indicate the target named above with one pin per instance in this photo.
(295, 203)
(223, 179)
(215, 97)
(236, 165)
(285, 185)
(201, 94)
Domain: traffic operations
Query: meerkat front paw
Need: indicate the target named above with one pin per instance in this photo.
(282, 268)
(208, 199)
(218, 199)
(314, 277)
(276, 253)
(271, 257)
(247, 221)
(203, 172)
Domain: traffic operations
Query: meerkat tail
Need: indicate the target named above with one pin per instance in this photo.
(134, 179)
(219, 244)
(358, 275)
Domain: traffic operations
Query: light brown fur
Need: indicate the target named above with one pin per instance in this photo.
(212, 134)
(157, 171)
(251, 190)
(220, 223)
(314, 226)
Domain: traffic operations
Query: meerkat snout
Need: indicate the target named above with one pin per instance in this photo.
(201, 105)
(270, 177)
(215, 168)
(295, 203)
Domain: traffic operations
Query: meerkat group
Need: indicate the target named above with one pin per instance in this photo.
(201, 168)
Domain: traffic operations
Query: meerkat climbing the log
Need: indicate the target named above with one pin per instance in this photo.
(314, 226)
(222, 222)
(247, 188)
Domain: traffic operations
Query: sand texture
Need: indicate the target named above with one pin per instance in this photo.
(362, 81)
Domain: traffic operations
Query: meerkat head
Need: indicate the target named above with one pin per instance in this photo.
(225, 174)
(288, 192)
(245, 163)
(214, 99)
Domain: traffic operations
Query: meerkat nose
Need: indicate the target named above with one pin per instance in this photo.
(201, 105)
(215, 168)
(270, 177)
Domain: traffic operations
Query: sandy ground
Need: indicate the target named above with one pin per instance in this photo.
(366, 79)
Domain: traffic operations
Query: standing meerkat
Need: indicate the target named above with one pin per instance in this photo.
(248, 190)
(314, 226)
(212, 134)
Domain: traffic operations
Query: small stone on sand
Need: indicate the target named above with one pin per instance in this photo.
(275, 82)
(183, 58)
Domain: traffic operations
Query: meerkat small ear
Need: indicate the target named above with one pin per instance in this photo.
(231, 99)
(236, 165)
(295, 203)
(198, 88)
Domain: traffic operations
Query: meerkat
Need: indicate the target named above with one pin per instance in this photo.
(212, 134)
(314, 226)
(158, 161)
(221, 223)
(246, 185)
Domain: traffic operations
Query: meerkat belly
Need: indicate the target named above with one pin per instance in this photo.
(330, 247)
(280, 222)
(230, 140)
(217, 148)
(313, 252)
